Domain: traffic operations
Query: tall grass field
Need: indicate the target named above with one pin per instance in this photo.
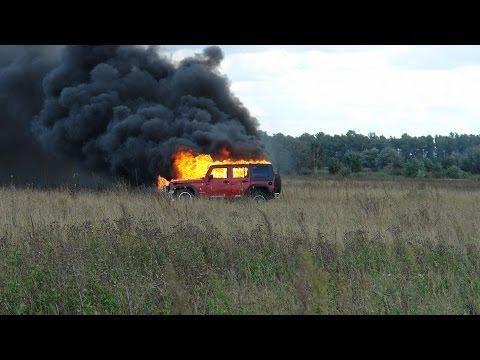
(327, 246)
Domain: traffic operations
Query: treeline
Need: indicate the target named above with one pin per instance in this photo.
(452, 156)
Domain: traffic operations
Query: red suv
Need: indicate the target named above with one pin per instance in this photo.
(231, 181)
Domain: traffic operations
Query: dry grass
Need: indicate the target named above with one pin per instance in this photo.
(327, 246)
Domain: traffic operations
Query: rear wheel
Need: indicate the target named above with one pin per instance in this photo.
(277, 181)
(184, 194)
(259, 196)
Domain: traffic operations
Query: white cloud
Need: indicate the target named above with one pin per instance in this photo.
(438, 56)
(367, 89)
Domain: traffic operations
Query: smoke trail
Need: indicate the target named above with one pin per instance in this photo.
(22, 69)
(123, 110)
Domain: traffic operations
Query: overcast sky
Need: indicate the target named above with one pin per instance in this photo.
(388, 90)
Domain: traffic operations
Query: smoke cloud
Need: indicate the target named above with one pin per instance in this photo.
(116, 110)
(22, 160)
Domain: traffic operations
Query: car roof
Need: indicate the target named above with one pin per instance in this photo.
(237, 165)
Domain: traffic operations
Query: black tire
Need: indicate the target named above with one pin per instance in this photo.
(259, 195)
(184, 194)
(277, 184)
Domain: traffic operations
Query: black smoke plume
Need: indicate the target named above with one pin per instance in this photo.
(22, 160)
(121, 110)
(124, 110)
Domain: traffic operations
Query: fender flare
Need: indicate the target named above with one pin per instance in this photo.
(185, 187)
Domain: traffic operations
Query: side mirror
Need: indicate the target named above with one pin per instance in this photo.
(210, 177)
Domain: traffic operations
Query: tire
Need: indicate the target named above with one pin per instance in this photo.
(184, 194)
(259, 196)
(277, 181)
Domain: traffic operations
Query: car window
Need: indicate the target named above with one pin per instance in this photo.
(219, 173)
(240, 172)
(262, 172)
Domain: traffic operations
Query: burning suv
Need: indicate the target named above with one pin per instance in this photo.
(257, 181)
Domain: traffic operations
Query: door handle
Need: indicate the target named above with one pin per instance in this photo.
(244, 181)
(226, 182)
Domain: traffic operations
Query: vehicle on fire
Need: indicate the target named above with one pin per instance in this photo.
(257, 181)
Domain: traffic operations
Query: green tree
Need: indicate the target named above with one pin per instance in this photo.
(354, 161)
(428, 165)
(413, 168)
(369, 158)
(307, 152)
(473, 159)
(389, 159)
(317, 153)
(450, 160)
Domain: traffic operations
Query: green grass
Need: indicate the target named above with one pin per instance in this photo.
(326, 247)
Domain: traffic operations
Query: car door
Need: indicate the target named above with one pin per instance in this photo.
(218, 183)
(239, 181)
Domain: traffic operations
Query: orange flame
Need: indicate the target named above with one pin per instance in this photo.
(189, 165)
(162, 182)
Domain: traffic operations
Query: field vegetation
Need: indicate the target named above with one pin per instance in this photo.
(328, 246)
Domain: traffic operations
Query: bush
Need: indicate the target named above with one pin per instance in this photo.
(413, 168)
(344, 171)
(334, 166)
(454, 172)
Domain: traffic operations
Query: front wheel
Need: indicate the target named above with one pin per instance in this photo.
(184, 194)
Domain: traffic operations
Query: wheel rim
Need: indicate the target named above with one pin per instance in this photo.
(185, 195)
(259, 197)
